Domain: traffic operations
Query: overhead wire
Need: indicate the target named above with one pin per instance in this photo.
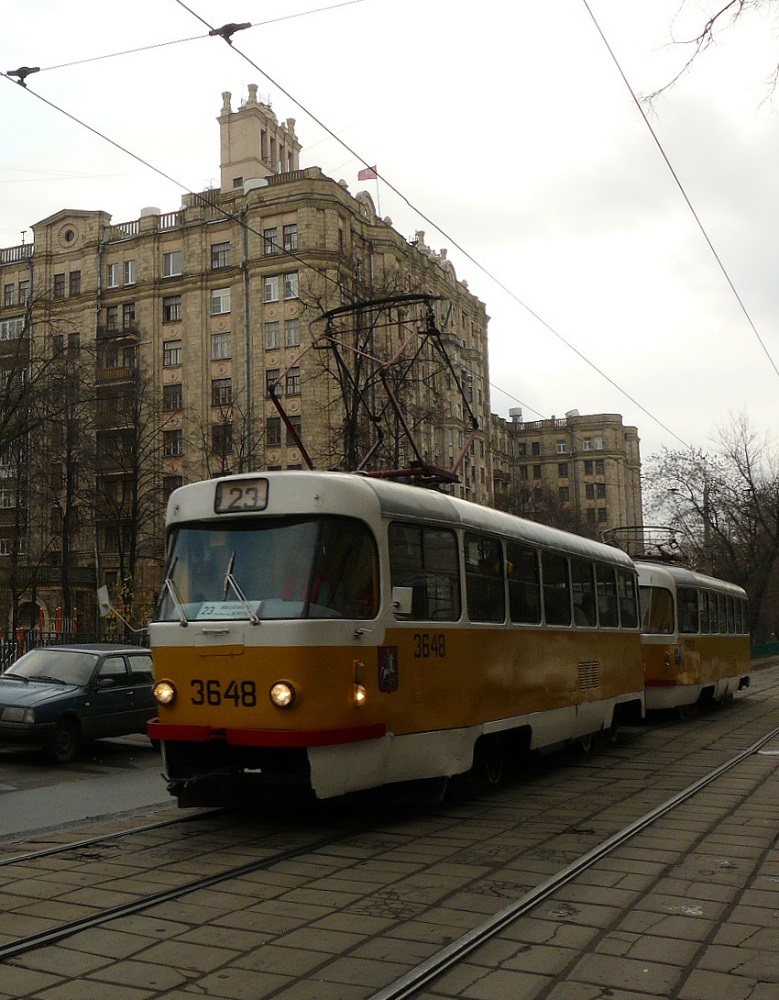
(447, 236)
(681, 188)
(215, 31)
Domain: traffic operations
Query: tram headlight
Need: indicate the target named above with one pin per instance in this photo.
(164, 692)
(359, 695)
(282, 694)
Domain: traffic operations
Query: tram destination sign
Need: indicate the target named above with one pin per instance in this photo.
(237, 496)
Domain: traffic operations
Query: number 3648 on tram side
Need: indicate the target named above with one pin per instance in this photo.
(337, 632)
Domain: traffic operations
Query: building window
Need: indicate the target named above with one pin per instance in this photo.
(171, 483)
(292, 333)
(171, 353)
(221, 346)
(272, 335)
(221, 391)
(523, 472)
(293, 382)
(536, 472)
(291, 285)
(271, 374)
(220, 301)
(74, 344)
(290, 234)
(237, 182)
(588, 468)
(8, 295)
(171, 308)
(273, 432)
(589, 491)
(112, 276)
(535, 447)
(270, 240)
(297, 425)
(172, 397)
(271, 288)
(587, 444)
(173, 442)
(600, 491)
(600, 467)
(562, 447)
(129, 272)
(597, 443)
(564, 493)
(171, 263)
(220, 255)
(112, 318)
(59, 286)
(222, 439)
(562, 470)
(602, 516)
(522, 449)
(24, 292)
(128, 315)
(591, 515)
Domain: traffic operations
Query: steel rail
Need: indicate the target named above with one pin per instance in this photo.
(61, 931)
(17, 859)
(424, 973)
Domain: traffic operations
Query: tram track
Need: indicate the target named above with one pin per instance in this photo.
(410, 984)
(553, 811)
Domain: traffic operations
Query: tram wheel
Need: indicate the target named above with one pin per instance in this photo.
(490, 761)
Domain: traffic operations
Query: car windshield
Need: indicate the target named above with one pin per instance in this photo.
(272, 567)
(58, 666)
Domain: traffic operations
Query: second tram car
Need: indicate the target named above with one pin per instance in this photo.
(695, 637)
(342, 632)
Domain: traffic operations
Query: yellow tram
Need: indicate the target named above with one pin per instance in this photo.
(695, 637)
(342, 632)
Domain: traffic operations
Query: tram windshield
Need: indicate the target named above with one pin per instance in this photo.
(657, 610)
(275, 567)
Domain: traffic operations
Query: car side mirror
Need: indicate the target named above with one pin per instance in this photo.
(105, 682)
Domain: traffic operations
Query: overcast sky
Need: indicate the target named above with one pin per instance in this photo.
(507, 125)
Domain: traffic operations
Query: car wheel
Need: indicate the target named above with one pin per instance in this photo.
(65, 741)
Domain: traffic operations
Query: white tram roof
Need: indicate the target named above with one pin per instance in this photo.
(354, 494)
(667, 575)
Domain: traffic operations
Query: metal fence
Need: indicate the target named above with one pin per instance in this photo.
(12, 649)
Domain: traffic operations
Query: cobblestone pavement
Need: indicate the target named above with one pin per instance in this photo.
(688, 909)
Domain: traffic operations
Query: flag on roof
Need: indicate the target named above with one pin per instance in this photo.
(368, 174)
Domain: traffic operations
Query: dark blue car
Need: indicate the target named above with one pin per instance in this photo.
(59, 696)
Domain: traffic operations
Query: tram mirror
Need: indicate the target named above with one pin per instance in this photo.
(103, 603)
(401, 600)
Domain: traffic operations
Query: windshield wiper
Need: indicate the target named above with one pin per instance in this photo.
(46, 679)
(230, 581)
(169, 585)
(14, 677)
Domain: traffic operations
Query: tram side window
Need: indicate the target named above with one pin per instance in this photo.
(484, 585)
(557, 592)
(425, 559)
(745, 616)
(524, 584)
(723, 614)
(705, 612)
(731, 616)
(583, 589)
(345, 578)
(687, 602)
(657, 610)
(608, 611)
(626, 594)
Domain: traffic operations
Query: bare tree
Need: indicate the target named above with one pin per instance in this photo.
(129, 499)
(710, 27)
(725, 507)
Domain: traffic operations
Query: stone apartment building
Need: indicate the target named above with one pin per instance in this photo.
(585, 470)
(182, 320)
